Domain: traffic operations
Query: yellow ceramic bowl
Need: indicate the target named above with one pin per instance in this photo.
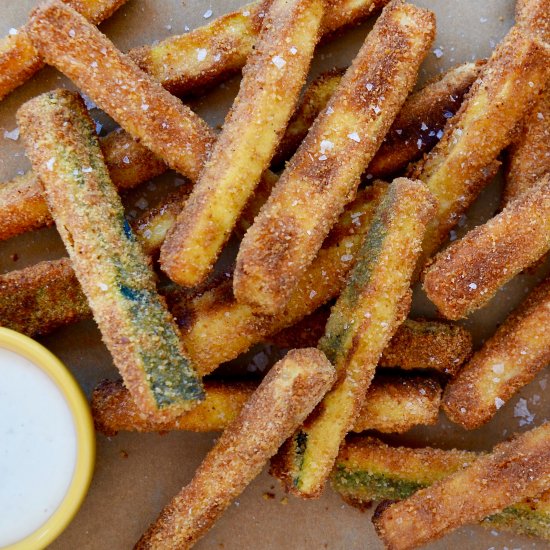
(85, 438)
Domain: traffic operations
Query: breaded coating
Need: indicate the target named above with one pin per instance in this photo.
(323, 175)
(367, 469)
(374, 303)
(208, 320)
(467, 274)
(272, 80)
(139, 104)
(114, 410)
(512, 472)
(508, 360)
(284, 398)
(422, 344)
(214, 52)
(392, 405)
(24, 208)
(40, 298)
(395, 404)
(528, 157)
(464, 161)
(19, 59)
(216, 328)
(114, 272)
(417, 344)
(416, 129)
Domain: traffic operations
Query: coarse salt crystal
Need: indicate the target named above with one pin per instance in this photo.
(144, 107)
(498, 402)
(355, 137)
(472, 286)
(293, 50)
(369, 86)
(419, 143)
(278, 61)
(323, 157)
(126, 160)
(423, 126)
(103, 286)
(50, 163)
(330, 110)
(13, 135)
(326, 145)
(438, 52)
(312, 294)
(93, 64)
(347, 257)
(207, 14)
(540, 116)
(201, 54)
(498, 368)
(87, 170)
(376, 109)
(439, 134)
(246, 13)
(12, 31)
(72, 33)
(217, 57)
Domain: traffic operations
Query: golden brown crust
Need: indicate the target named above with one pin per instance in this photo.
(535, 16)
(323, 175)
(139, 104)
(272, 80)
(507, 361)
(227, 43)
(114, 272)
(512, 472)
(114, 410)
(374, 303)
(19, 59)
(395, 404)
(466, 275)
(38, 299)
(463, 161)
(284, 398)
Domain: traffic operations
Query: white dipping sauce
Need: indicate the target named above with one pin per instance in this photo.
(37, 447)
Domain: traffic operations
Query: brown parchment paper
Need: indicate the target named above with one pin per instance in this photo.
(137, 474)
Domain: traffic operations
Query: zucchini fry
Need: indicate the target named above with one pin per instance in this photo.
(284, 398)
(38, 299)
(24, 207)
(19, 59)
(366, 315)
(417, 344)
(227, 42)
(367, 470)
(324, 173)
(416, 128)
(140, 105)
(272, 80)
(512, 472)
(392, 405)
(509, 360)
(210, 322)
(529, 155)
(112, 269)
(467, 274)
(465, 159)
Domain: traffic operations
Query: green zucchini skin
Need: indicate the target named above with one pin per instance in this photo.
(369, 470)
(113, 270)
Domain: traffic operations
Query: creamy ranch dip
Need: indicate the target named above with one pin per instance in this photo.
(37, 447)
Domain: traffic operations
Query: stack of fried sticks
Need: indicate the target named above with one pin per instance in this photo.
(311, 237)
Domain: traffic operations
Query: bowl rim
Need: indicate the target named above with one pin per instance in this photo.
(85, 438)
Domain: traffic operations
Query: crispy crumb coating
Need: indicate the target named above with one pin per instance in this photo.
(367, 469)
(216, 328)
(272, 80)
(209, 320)
(323, 175)
(392, 405)
(114, 273)
(24, 208)
(508, 360)
(366, 315)
(19, 59)
(414, 131)
(463, 162)
(467, 274)
(284, 398)
(529, 155)
(417, 344)
(227, 42)
(139, 104)
(512, 472)
(40, 298)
